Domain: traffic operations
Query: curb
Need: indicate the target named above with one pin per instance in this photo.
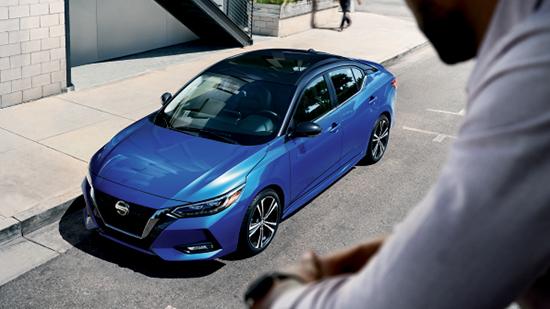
(40, 216)
(394, 59)
(34, 219)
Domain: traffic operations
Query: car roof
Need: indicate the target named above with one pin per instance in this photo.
(285, 66)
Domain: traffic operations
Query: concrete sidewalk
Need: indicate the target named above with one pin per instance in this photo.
(45, 145)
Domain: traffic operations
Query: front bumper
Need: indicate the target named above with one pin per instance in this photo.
(170, 238)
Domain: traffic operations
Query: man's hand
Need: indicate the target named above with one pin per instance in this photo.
(313, 267)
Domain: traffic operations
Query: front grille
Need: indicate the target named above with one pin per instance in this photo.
(134, 222)
(144, 243)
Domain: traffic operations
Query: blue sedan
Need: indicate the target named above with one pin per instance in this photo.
(237, 150)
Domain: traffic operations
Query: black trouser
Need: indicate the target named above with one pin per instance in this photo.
(345, 19)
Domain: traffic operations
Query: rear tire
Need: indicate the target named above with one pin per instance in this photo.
(260, 223)
(378, 141)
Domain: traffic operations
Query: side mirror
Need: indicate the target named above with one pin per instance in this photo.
(167, 96)
(306, 129)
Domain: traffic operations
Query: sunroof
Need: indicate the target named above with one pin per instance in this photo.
(279, 61)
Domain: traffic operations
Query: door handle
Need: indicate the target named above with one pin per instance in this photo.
(372, 99)
(334, 127)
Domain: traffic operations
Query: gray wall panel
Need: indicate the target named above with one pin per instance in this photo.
(83, 27)
(121, 27)
(176, 32)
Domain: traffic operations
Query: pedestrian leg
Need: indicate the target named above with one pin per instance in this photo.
(343, 21)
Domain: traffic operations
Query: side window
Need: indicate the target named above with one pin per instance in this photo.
(315, 101)
(359, 77)
(344, 84)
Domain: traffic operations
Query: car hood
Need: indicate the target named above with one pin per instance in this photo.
(173, 164)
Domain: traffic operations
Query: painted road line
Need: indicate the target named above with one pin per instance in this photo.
(462, 112)
(439, 137)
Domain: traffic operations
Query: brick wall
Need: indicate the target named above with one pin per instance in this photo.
(32, 50)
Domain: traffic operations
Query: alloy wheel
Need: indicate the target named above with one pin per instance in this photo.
(380, 139)
(263, 222)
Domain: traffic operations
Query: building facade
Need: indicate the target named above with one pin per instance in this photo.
(32, 50)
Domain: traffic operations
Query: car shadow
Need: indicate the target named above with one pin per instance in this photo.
(73, 231)
(364, 162)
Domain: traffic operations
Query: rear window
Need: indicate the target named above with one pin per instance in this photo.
(279, 61)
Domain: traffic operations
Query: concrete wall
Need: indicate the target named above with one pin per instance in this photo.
(278, 20)
(266, 19)
(106, 29)
(32, 50)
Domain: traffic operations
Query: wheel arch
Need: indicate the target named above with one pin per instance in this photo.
(280, 192)
(387, 114)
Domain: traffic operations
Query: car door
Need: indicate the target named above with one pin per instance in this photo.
(313, 158)
(350, 108)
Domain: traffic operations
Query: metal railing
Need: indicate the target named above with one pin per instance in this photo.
(239, 12)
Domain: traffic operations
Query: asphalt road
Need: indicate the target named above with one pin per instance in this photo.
(367, 202)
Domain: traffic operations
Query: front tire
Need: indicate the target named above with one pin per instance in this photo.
(260, 223)
(378, 141)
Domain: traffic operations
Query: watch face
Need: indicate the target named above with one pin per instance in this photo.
(259, 288)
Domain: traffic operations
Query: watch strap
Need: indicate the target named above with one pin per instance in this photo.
(261, 286)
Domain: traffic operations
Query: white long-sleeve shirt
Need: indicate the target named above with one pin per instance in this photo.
(482, 234)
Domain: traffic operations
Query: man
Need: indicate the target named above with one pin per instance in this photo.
(345, 5)
(481, 237)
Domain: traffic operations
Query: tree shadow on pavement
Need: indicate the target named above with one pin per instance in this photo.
(73, 231)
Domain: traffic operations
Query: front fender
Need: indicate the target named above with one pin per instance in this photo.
(272, 171)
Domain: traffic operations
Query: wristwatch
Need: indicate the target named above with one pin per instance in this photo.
(260, 287)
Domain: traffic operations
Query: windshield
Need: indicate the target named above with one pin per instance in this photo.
(229, 109)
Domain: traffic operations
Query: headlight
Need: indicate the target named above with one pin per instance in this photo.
(208, 207)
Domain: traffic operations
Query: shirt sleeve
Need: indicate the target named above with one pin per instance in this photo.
(482, 234)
